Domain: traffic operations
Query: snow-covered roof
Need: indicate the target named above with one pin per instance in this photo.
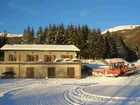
(117, 60)
(39, 47)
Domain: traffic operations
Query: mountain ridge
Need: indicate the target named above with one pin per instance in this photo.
(12, 35)
(120, 28)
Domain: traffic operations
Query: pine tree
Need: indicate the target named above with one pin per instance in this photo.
(70, 32)
(100, 45)
(60, 35)
(84, 40)
(3, 41)
(96, 44)
(46, 31)
(121, 47)
(89, 51)
(47, 34)
(32, 36)
(111, 47)
(28, 36)
(40, 36)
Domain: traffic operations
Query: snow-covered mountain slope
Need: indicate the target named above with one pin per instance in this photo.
(119, 28)
(12, 35)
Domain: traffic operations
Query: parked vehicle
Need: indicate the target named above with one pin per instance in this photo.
(8, 74)
(115, 69)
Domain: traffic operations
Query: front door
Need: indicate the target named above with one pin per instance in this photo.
(51, 72)
(70, 72)
(30, 72)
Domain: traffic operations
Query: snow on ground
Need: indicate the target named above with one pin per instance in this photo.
(86, 91)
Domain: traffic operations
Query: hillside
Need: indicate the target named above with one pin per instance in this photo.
(130, 35)
(120, 28)
(13, 38)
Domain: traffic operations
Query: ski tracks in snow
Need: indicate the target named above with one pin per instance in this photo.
(40, 92)
(81, 97)
(64, 91)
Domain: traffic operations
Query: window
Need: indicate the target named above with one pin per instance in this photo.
(70, 56)
(32, 57)
(49, 58)
(36, 57)
(12, 57)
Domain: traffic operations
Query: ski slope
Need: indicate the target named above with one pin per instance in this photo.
(87, 91)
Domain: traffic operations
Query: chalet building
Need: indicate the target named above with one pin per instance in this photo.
(37, 61)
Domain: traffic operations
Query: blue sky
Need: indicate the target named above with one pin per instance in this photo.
(16, 15)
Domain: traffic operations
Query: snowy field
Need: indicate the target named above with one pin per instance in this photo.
(87, 91)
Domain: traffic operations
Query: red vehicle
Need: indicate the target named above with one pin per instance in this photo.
(115, 69)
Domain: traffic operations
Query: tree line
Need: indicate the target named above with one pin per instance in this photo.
(3, 41)
(91, 42)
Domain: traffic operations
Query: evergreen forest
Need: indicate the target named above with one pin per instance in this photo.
(91, 42)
